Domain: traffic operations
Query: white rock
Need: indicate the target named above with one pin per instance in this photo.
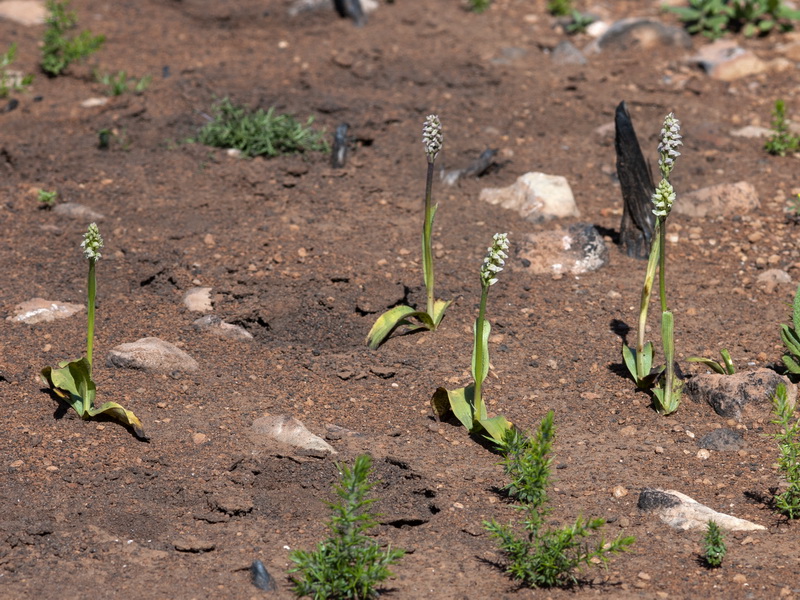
(770, 279)
(24, 12)
(151, 354)
(198, 299)
(93, 102)
(575, 250)
(39, 310)
(535, 196)
(724, 199)
(288, 430)
(682, 512)
(73, 210)
(214, 324)
(752, 131)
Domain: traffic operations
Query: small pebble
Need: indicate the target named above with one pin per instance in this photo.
(739, 578)
(199, 438)
(619, 491)
(703, 454)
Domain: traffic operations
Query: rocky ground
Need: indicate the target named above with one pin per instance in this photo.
(300, 258)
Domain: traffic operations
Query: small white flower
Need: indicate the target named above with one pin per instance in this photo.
(663, 198)
(92, 242)
(495, 259)
(432, 137)
(670, 140)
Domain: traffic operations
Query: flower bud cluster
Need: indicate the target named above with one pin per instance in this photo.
(92, 242)
(495, 259)
(670, 140)
(432, 137)
(663, 198)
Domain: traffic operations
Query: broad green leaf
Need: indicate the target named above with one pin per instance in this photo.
(647, 359)
(481, 346)
(791, 364)
(117, 412)
(72, 382)
(496, 427)
(711, 364)
(392, 319)
(789, 338)
(439, 306)
(629, 356)
(459, 402)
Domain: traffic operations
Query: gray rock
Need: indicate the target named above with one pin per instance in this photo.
(640, 34)
(290, 431)
(151, 354)
(682, 512)
(79, 212)
(535, 196)
(24, 12)
(198, 299)
(214, 324)
(724, 199)
(731, 395)
(722, 440)
(577, 249)
(261, 577)
(39, 310)
(567, 54)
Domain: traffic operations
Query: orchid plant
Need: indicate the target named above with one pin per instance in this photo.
(72, 381)
(433, 140)
(640, 360)
(467, 403)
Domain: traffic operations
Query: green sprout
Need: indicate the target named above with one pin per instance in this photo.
(788, 502)
(782, 141)
(59, 50)
(430, 318)
(72, 381)
(714, 549)
(11, 81)
(47, 199)
(260, 133)
(118, 84)
(542, 556)
(580, 21)
(725, 367)
(713, 18)
(349, 564)
(791, 337)
(559, 8)
(467, 403)
(639, 361)
(479, 6)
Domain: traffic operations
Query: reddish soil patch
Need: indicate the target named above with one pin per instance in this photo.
(305, 257)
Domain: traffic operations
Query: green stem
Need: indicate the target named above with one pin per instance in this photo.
(662, 262)
(647, 289)
(479, 351)
(91, 288)
(427, 254)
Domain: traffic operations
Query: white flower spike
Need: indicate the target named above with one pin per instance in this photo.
(92, 242)
(495, 259)
(670, 140)
(432, 137)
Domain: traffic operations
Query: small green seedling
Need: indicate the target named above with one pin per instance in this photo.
(72, 381)
(639, 360)
(47, 199)
(541, 556)
(791, 337)
(479, 6)
(59, 49)
(559, 8)
(714, 549)
(11, 81)
(782, 141)
(429, 318)
(725, 367)
(349, 564)
(260, 133)
(713, 18)
(788, 502)
(467, 403)
(580, 21)
(119, 84)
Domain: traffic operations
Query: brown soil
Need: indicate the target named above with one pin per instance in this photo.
(305, 257)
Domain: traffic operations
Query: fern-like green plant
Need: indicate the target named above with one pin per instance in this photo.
(61, 49)
(791, 337)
